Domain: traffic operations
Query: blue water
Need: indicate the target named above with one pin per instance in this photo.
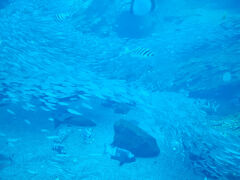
(173, 72)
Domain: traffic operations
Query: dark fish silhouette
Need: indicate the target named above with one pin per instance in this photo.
(123, 156)
(5, 161)
(75, 121)
(3, 104)
(119, 108)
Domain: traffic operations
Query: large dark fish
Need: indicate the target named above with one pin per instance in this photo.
(75, 121)
(119, 108)
(5, 161)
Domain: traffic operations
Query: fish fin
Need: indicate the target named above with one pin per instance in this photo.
(57, 123)
(11, 158)
(121, 163)
(114, 157)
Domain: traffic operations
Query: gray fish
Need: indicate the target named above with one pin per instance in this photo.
(75, 121)
(119, 154)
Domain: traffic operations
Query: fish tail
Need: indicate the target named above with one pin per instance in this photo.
(11, 158)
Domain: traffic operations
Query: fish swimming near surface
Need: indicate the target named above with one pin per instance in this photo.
(74, 121)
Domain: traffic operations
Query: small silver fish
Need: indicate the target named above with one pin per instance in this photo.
(27, 122)
(72, 111)
(11, 112)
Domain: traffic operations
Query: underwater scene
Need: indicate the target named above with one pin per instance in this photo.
(120, 90)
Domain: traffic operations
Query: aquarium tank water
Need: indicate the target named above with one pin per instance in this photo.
(119, 89)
